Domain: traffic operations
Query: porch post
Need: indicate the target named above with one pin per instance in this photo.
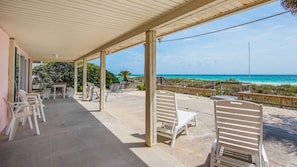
(75, 77)
(11, 69)
(30, 62)
(150, 88)
(102, 80)
(85, 63)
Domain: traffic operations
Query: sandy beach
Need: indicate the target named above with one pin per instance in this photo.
(280, 128)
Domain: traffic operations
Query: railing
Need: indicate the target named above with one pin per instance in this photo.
(189, 90)
(282, 101)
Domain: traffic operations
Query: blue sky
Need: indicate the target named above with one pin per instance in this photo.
(273, 47)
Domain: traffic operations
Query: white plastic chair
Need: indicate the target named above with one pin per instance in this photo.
(20, 110)
(239, 131)
(33, 99)
(45, 93)
(70, 92)
(170, 120)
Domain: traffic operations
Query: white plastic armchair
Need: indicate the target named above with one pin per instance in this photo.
(45, 93)
(20, 111)
(33, 99)
(70, 92)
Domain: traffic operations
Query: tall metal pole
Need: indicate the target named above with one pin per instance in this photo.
(249, 47)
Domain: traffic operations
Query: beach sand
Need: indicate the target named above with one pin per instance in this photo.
(282, 118)
(128, 108)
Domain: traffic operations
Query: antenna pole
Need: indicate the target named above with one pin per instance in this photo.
(249, 47)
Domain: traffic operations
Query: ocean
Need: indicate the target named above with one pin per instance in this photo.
(275, 79)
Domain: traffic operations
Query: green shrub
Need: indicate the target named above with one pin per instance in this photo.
(140, 87)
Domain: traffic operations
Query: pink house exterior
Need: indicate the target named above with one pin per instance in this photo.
(9, 52)
(4, 61)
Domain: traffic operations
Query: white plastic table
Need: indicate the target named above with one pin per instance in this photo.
(63, 86)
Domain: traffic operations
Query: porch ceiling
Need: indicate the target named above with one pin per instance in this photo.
(76, 29)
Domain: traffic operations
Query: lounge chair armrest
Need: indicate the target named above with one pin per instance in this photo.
(19, 106)
(214, 145)
(31, 97)
(34, 99)
(35, 94)
(19, 103)
(264, 158)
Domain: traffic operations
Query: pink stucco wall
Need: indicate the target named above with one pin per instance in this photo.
(4, 61)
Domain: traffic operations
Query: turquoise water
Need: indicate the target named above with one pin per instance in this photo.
(256, 79)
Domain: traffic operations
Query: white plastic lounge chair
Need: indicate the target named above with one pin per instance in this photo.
(115, 87)
(33, 99)
(97, 94)
(170, 120)
(20, 110)
(239, 131)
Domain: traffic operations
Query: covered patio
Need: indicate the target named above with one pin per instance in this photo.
(76, 31)
(78, 135)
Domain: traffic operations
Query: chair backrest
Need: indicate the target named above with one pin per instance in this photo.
(31, 99)
(239, 125)
(70, 89)
(9, 106)
(166, 107)
(16, 108)
(22, 94)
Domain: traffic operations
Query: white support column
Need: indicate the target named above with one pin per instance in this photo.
(11, 70)
(85, 64)
(75, 77)
(150, 88)
(30, 71)
(102, 80)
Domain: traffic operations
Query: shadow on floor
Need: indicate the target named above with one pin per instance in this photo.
(279, 135)
(70, 137)
(206, 163)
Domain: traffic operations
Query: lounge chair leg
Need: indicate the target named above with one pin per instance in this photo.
(8, 129)
(23, 120)
(186, 129)
(195, 120)
(42, 113)
(30, 122)
(173, 139)
(36, 121)
(13, 128)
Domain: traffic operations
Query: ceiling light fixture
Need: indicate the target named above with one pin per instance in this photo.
(56, 55)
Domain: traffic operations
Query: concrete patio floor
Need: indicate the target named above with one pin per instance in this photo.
(77, 135)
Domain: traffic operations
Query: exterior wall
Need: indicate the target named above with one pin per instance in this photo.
(4, 61)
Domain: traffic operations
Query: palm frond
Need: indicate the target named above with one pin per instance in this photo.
(290, 5)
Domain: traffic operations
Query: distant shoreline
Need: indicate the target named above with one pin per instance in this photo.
(258, 79)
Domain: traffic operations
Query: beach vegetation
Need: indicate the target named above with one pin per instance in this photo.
(232, 80)
(93, 76)
(231, 86)
(290, 5)
(49, 73)
(284, 90)
(234, 86)
(125, 75)
(140, 87)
